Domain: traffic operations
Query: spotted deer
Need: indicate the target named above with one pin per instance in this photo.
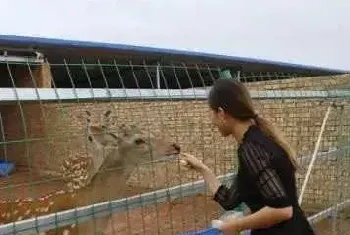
(114, 152)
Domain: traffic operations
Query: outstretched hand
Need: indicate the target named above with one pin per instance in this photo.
(209, 177)
(191, 161)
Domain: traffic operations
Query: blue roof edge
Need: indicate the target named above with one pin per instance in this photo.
(115, 46)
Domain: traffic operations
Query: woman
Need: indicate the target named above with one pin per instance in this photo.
(265, 181)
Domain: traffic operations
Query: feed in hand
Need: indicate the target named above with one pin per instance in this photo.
(183, 162)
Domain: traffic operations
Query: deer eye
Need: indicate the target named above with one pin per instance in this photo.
(139, 141)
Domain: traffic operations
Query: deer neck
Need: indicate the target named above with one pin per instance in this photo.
(99, 157)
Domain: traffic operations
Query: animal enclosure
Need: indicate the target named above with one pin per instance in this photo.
(106, 134)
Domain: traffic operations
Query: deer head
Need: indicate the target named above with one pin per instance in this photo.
(122, 147)
(108, 146)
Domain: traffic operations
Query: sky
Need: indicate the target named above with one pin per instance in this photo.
(312, 32)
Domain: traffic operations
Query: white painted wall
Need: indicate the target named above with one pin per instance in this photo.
(312, 32)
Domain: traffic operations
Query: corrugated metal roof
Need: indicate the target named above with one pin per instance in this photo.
(60, 48)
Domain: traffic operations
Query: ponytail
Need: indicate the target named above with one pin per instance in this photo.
(277, 136)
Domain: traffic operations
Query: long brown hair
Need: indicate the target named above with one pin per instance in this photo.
(234, 98)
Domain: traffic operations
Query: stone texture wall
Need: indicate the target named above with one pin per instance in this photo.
(303, 83)
(55, 130)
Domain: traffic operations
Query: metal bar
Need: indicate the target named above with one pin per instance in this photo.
(328, 212)
(7, 56)
(71, 94)
(81, 214)
(158, 77)
(21, 59)
(329, 155)
(314, 155)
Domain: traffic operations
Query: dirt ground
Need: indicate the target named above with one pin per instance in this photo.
(19, 185)
(191, 213)
(181, 215)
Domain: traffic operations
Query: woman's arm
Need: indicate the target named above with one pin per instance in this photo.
(228, 198)
(264, 218)
(210, 179)
(194, 163)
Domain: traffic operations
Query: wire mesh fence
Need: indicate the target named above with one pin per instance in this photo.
(87, 148)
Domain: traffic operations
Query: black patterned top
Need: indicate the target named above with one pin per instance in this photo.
(266, 177)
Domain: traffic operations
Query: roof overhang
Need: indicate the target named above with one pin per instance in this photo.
(58, 49)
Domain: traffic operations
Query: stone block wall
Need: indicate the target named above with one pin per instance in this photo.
(54, 130)
(302, 83)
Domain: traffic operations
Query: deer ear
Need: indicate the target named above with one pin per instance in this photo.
(107, 113)
(135, 129)
(123, 130)
(101, 137)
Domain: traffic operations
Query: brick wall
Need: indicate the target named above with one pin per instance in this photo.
(57, 129)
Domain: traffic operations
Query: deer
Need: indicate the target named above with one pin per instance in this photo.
(114, 152)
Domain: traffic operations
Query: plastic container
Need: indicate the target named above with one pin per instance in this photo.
(231, 213)
(209, 231)
(236, 213)
(6, 168)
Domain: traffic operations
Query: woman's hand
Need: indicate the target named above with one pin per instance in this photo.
(226, 227)
(191, 161)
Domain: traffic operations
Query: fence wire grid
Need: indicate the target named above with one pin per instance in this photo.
(86, 147)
